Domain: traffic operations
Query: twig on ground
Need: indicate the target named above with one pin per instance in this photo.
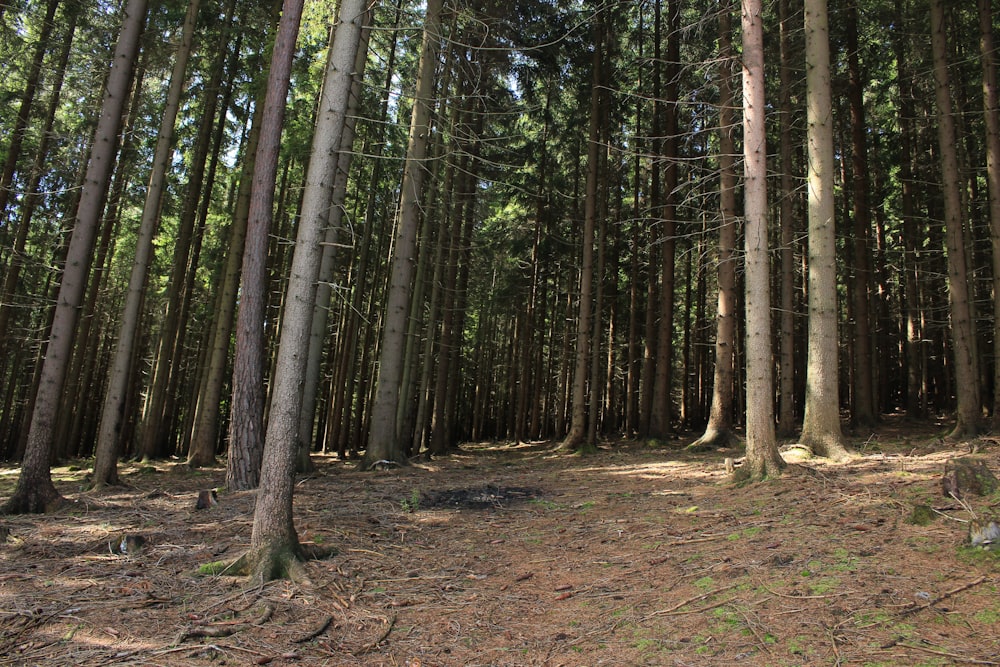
(943, 596)
(947, 654)
(673, 610)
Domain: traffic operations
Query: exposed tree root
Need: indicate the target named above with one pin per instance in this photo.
(272, 561)
(33, 499)
(713, 439)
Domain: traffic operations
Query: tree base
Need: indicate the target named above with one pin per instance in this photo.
(33, 500)
(383, 464)
(712, 439)
(272, 561)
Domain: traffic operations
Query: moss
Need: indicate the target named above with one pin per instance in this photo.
(921, 515)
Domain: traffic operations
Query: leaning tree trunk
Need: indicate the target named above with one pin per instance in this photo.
(762, 458)
(821, 425)
(274, 546)
(384, 440)
(966, 378)
(35, 491)
(112, 414)
(324, 287)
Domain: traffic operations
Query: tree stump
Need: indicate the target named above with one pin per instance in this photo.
(968, 476)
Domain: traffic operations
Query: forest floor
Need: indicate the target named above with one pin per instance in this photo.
(518, 555)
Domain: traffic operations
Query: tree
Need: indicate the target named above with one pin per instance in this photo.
(35, 492)
(762, 458)
(246, 426)
(821, 425)
(864, 408)
(718, 433)
(384, 440)
(967, 409)
(274, 546)
(108, 444)
(786, 215)
(991, 102)
(576, 438)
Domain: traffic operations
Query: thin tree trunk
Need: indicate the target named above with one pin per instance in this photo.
(662, 409)
(384, 442)
(576, 438)
(720, 420)
(273, 543)
(108, 444)
(246, 436)
(991, 102)
(786, 364)
(967, 412)
(35, 491)
(864, 413)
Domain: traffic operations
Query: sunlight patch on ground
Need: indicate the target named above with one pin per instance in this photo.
(655, 471)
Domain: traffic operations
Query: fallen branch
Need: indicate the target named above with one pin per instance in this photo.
(684, 603)
(943, 596)
(315, 633)
(945, 654)
(371, 646)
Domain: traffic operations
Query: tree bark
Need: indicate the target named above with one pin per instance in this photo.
(246, 426)
(991, 103)
(718, 433)
(762, 458)
(384, 441)
(35, 491)
(967, 409)
(108, 444)
(821, 425)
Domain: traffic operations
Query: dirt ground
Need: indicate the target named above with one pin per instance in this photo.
(517, 555)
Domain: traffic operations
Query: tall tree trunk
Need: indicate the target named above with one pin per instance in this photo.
(24, 111)
(205, 432)
(821, 425)
(967, 412)
(108, 444)
(991, 102)
(274, 545)
(246, 425)
(35, 491)
(576, 438)
(662, 408)
(762, 458)
(384, 440)
(719, 430)
(786, 215)
(911, 287)
(864, 409)
(324, 287)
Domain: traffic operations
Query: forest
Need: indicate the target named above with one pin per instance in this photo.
(258, 232)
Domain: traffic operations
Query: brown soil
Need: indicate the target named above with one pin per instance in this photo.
(516, 555)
